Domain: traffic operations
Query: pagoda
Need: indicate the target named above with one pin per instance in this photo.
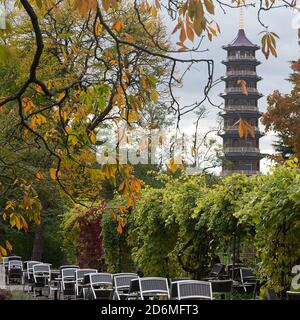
(241, 155)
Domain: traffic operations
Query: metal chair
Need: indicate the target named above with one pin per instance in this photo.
(67, 283)
(122, 284)
(79, 277)
(99, 286)
(15, 271)
(221, 287)
(28, 274)
(217, 270)
(249, 281)
(41, 276)
(151, 287)
(194, 289)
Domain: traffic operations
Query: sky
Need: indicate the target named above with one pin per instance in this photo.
(274, 71)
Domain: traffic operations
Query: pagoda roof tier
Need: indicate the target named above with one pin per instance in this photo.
(239, 62)
(241, 42)
(244, 155)
(245, 76)
(239, 94)
(230, 114)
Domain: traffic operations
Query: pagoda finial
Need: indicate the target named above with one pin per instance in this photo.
(242, 20)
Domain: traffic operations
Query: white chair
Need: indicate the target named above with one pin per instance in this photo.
(101, 285)
(41, 277)
(79, 276)
(122, 283)
(15, 271)
(153, 287)
(67, 284)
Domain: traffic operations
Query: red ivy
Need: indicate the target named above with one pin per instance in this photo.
(90, 249)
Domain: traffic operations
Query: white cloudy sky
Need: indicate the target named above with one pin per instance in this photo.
(274, 71)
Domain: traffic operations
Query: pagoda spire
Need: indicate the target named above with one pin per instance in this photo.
(242, 18)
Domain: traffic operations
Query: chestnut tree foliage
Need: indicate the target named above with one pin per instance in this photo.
(72, 67)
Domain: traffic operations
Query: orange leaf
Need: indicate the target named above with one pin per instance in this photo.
(120, 229)
(118, 25)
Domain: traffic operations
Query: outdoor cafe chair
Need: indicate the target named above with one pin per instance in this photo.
(222, 287)
(122, 284)
(217, 270)
(41, 276)
(66, 283)
(99, 286)
(153, 287)
(79, 277)
(194, 289)
(15, 271)
(28, 274)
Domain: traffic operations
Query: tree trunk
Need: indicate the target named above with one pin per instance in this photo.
(38, 244)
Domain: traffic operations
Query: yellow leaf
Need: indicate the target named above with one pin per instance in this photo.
(154, 95)
(4, 216)
(93, 137)
(154, 11)
(52, 173)
(39, 176)
(8, 246)
(3, 252)
(98, 29)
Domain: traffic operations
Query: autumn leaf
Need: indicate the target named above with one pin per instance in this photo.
(53, 173)
(8, 246)
(93, 137)
(245, 129)
(98, 29)
(154, 95)
(3, 251)
(243, 84)
(120, 229)
(209, 6)
(118, 25)
(39, 176)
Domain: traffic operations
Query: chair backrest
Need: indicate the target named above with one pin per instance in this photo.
(246, 273)
(221, 286)
(80, 273)
(217, 269)
(101, 278)
(41, 273)
(122, 282)
(152, 286)
(68, 273)
(30, 265)
(194, 289)
(14, 258)
(41, 268)
(15, 264)
(69, 266)
(101, 285)
(125, 274)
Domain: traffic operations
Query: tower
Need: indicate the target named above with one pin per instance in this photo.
(240, 154)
